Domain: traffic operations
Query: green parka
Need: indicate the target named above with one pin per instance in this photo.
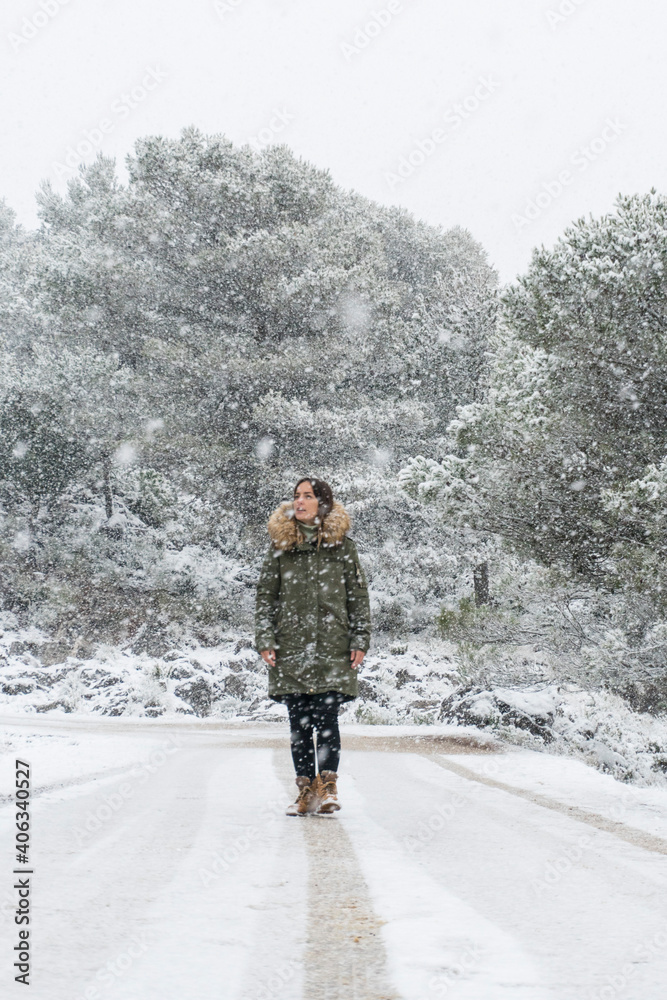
(312, 606)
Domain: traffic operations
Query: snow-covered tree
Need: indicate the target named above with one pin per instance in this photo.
(575, 396)
(238, 281)
(239, 320)
(562, 456)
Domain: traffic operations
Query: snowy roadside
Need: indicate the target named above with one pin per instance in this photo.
(69, 757)
(416, 683)
(190, 806)
(473, 891)
(553, 779)
(74, 749)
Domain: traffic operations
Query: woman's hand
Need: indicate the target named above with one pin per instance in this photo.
(356, 656)
(269, 656)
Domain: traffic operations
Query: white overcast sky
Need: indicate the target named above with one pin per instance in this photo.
(556, 73)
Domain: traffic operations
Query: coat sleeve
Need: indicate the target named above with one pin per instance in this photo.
(358, 604)
(268, 591)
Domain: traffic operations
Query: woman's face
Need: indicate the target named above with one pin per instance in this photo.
(305, 503)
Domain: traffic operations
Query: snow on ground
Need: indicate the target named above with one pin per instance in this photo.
(430, 933)
(416, 682)
(526, 901)
(66, 757)
(167, 868)
(573, 783)
(596, 726)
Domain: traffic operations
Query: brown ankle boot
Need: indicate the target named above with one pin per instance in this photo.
(307, 800)
(328, 792)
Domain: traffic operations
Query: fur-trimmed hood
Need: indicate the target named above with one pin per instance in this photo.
(284, 527)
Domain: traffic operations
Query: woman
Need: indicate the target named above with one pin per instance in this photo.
(312, 629)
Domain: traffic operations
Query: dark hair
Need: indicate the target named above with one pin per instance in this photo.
(322, 491)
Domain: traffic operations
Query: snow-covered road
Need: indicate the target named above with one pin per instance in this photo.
(165, 868)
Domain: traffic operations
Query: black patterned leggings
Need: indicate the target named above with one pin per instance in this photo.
(319, 712)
